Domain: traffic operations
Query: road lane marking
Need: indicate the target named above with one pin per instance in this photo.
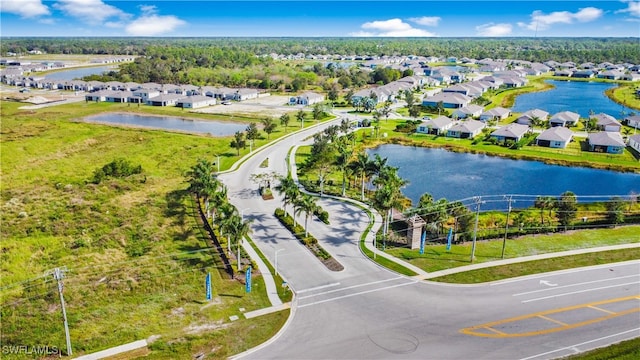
(355, 294)
(601, 309)
(317, 288)
(576, 284)
(580, 344)
(348, 287)
(578, 292)
(553, 320)
(543, 315)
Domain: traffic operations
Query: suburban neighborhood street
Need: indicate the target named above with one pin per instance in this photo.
(365, 311)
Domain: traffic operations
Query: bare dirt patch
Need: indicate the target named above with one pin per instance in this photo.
(272, 106)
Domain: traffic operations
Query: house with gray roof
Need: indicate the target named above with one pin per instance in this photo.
(634, 142)
(606, 142)
(437, 126)
(528, 116)
(449, 100)
(513, 132)
(195, 102)
(555, 137)
(307, 98)
(564, 118)
(164, 100)
(497, 113)
(632, 120)
(467, 129)
(606, 122)
(611, 75)
(469, 111)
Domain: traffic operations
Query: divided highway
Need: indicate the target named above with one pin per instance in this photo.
(367, 312)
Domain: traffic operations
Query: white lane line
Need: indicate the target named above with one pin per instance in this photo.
(576, 284)
(318, 288)
(584, 343)
(562, 272)
(579, 291)
(349, 287)
(356, 294)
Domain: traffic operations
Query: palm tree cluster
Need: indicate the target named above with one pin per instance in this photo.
(301, 202)
(212, 196)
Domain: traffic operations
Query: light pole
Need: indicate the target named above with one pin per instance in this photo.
(240, 240)
(276, 261)
(475, 229)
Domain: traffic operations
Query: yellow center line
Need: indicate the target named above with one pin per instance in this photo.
(542, 314)
(552, 320)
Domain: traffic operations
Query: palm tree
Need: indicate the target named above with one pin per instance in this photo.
(238, 228)
(378, 165)
(300, 117)
(361, 165)
(289, 189)
(202, 180)
(307, 205)
(342, 159)
(284, 121)
(269, 126)
(376, 120)
(388, 194)
(542, 203)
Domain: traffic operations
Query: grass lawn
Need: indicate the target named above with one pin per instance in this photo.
(436, 257)
(136, 257)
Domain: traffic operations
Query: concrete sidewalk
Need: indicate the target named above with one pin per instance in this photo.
(269, 282)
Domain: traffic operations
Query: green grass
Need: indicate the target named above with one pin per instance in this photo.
(625, 350)
(53, 217)
(436, 257)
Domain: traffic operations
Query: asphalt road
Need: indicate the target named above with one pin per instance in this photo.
(367, 312)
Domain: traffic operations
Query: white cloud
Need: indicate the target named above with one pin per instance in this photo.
(390, 28)
(426, 20)
(90, 11)
(542, 21)
(633, 8)
(494, 30)
(152, 25)
(24, 8)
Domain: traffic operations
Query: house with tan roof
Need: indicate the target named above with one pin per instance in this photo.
(467, 129)
(556, 137)
(606, 122)
(437, 126)
(564, 118)
(513, 132)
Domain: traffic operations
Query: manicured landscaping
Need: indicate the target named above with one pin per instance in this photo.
(625, 350)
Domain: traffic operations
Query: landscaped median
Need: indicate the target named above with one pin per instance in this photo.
(309, 241)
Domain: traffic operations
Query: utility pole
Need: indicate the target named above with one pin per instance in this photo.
(506, 226)
(475, 229)
(58, 274)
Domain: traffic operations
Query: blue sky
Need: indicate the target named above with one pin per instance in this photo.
(213, 18)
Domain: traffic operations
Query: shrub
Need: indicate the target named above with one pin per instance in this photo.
(119, 168)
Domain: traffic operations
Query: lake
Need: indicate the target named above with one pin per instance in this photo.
(78, 73)
(455, 176)
(577, 96)
(214, 128)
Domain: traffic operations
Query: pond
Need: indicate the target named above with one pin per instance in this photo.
(455, 176)
(78, 73)
(577, 96)
(214, 128)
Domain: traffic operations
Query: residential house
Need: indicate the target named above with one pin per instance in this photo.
(437, 126)
(563, 72)
(513, 132)
(145, 94)
(583, 74)
(631, 77)
(607, 142)
(527, 117)
(606, 122)
(307, 98)
(164, 100)
(564, 118)
(634, 142)
(497, 113)
(467, 129)
(469, 111)
(633, 121)
(611, 75)
(449, 100)
(245, 94)
(196, 101)
(555, 137)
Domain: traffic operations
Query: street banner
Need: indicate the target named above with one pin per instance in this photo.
(208, 286)
(422, 240)
(449, 237)
(247, 280)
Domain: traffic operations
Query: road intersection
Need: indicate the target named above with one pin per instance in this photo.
(368, 312)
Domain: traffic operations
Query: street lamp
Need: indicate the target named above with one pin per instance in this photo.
(276, 261)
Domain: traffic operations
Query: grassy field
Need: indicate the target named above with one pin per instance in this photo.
(136, 257)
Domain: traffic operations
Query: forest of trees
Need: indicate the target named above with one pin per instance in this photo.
(616, 50)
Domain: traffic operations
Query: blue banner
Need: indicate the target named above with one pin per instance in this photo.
(208, 286)
(247, 280)
(449, 237)
(422, 240)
